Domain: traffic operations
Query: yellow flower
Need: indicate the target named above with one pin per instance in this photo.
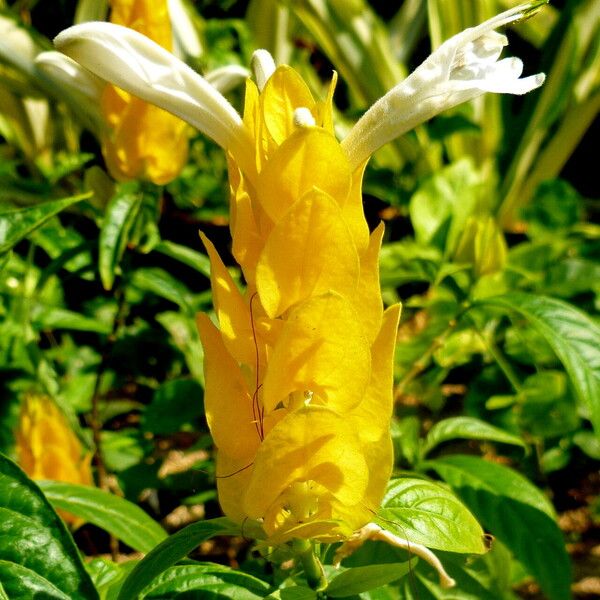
(142, 141)
(47, 447)
(299, 378)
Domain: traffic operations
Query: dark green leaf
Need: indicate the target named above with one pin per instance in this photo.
(176, 404)
(37, 552)
(185, 255)
(123, 449)
(514, 511)
(478, 579)
(54, 317)
(18, 223)
(22, 583)
(207, 576)
(296, 592)
(173, 549)
(362, 579)
(467, 428)
(427, 513)
(120, 216)
(572, 335)
(405, 436)
(118, 516)
(159, 282)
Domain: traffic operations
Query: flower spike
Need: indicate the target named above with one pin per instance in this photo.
(141, 67)
(462, 68)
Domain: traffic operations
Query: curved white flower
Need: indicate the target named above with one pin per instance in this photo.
(226, 78)
(141, 67)
(67, 73)
(263, 66)
(462, 68)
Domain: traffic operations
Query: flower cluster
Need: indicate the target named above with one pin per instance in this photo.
(299, 370)
(299, 377)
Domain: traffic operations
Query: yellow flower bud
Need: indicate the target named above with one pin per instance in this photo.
(483, 245)
(143, 141)
(47, 447)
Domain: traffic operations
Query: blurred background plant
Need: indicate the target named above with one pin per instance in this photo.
(492, 245)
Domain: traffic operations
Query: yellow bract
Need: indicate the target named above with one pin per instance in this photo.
(142, 141)
(47, 447)
(299, 373)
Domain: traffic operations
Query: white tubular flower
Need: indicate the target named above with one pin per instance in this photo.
(227, 78)
(17, 46)
(186, 41)
(462, 68)
(141, 67)
(263, 66)
(66, 72)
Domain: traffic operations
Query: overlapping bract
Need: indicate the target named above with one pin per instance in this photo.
(47, 447)
(142, 140)
(299, 377)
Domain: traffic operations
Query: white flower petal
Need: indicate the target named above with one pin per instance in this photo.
(141, 67)
(66, 72)
(462, 68)
(227, 78)
(263, 66)
(17, 46)
(186, 41)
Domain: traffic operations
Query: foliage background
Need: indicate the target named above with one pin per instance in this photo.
(491, 243)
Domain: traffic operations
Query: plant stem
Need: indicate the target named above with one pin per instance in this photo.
(313, 569)
(94, 419)
(500, 359)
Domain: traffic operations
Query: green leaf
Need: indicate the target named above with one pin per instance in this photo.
(467, 428)
(21, 583)
(16, 224)
(297, 592)
(175, 405)
(37, 553)
(120, 216)
(427, 513)
(208, 577)
(486, 577)
(118, 516)
(362, 579)
(442, 204)
(184, 334)
(173, 549)
(54, 317)
(514, 511)
(185, 255)
(588, 443)
(159, 282)
(573, 336)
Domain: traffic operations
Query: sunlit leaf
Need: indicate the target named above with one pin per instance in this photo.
(574, 337)
(16, 224)
(516, 512)
(427, 513)
(118, 516)
(37, 554)
(173, 549)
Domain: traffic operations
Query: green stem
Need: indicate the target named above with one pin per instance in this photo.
(313, 569)
(500, 359)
